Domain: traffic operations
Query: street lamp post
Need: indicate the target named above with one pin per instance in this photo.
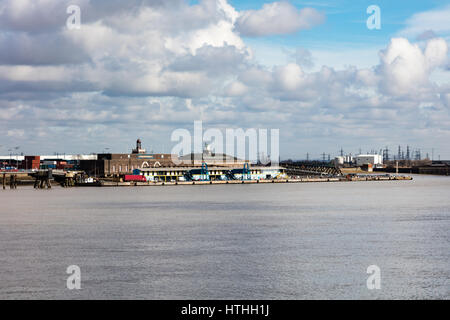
(17, 156)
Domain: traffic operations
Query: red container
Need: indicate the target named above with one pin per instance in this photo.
(134, 178)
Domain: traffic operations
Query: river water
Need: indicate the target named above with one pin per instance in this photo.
(266, 241)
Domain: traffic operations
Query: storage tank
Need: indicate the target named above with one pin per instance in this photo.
(339, 160)
(348, 159)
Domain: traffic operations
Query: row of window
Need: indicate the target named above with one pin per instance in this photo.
(125, 168)
(181, 173)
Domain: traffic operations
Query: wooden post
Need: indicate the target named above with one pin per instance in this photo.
(49, 175)
(4, 181)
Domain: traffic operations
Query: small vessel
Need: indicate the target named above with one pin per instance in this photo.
(87, 182)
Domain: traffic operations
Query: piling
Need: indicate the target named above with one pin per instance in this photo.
(13, 181)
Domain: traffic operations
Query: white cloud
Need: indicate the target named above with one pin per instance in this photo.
(405, 67)
(445, 97)
(289, 77)
(303, 58)
(41, 49)
(235, 89)
(16, 133)
(277, 18)
(435, 21)
(436, 53)
(256, 76)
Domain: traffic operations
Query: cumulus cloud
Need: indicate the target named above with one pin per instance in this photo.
(217, 60)
(289, 77)
(42, 49)
(406, 68)
(435, 21)
(33, 15)
(36, 16)
(436, 53)
(445, 98)
(303, 57)
(426, 35)
(142, 48)
(277, 18)
(235, 89)
(15, 133)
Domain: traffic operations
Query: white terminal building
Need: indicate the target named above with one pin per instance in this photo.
(364, 159)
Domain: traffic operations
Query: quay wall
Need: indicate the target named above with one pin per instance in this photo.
(302, 180)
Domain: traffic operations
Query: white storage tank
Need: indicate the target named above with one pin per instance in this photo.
(339, 160)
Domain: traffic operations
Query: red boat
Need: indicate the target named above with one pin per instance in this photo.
(134, 178)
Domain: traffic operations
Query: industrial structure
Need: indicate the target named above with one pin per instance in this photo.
(361, 160)
(155, 164)
(376, 160)
(141, 168)
(114, 164)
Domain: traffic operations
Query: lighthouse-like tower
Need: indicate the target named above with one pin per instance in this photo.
(139, 148)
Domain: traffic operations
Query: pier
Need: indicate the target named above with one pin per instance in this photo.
(274, 181)
(40, 179)
(43, 179)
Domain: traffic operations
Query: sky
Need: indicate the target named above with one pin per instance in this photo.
(144, 68)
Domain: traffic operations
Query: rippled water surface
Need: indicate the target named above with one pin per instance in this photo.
(282, 241)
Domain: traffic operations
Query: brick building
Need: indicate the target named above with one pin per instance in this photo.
(113, 164)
